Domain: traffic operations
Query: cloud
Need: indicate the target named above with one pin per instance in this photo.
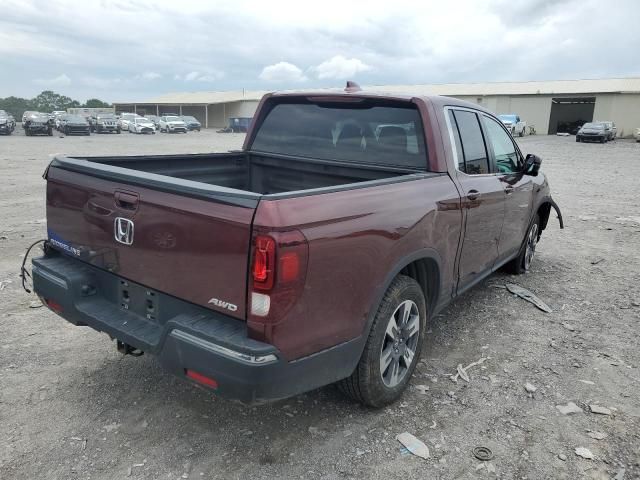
(61, 80)
(150, 76)
(282, 72)
(340, 68)
(401, 42)
(195, 76)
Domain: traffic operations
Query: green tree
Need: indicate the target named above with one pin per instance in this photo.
(96, 103)
(48, 101)
(16, 106)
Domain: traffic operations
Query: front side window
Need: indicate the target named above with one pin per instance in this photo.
(367, 131)
(504, 151)
(474, 151)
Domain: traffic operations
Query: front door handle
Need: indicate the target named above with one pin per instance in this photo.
(473, 195)
(509, 189)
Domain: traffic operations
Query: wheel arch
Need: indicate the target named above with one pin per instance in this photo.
(544, 211)
(425, 267)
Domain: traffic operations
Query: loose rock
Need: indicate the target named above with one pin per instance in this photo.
(584, 453)
(569, 408)
(530, 387)
(599, 410)
(597, 435)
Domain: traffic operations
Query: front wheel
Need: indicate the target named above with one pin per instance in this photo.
(522, 262)
(393, 346)
(521, 134)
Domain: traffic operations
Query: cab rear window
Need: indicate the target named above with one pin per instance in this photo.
(361, 132)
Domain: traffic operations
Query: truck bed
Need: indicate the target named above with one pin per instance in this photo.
(253, 172)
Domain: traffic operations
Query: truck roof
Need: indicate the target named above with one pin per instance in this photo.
(438, 100)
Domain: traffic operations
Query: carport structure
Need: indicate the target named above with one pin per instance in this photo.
(212, 109)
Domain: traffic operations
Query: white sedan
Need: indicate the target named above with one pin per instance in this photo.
(125, 119)
(141, 125)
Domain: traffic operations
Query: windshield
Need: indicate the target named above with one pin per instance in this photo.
(388, 134)
(142, 120)
(173, 119)
(189, 119)
(106, 117)
(76, 118)
(508, 118)
(596, 126)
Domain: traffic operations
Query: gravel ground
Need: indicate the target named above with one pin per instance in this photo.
(72, 407)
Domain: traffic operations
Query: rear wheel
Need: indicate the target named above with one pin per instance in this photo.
(522, 262)
(393, 346)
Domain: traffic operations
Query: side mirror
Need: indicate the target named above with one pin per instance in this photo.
(532, 165)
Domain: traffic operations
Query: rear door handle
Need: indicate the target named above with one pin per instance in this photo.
(473, 195)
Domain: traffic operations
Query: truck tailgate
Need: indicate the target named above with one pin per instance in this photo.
(192, 248)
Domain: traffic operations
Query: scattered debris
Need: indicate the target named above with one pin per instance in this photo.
(111, 427)
(4, 283)
(462, 371)
(528, 296)
(596, 261)
(569, 408)
(530, 387)
(35, 304)
(587, 382)
(84, 444)
(491, 468)
(423, 389)
(599, 410)
(597, 435)
(562, 134)
(562, 457)
(569, 327)
(433, 425)
(483, 453)
(620, 474)
(584, 453)
(314, 430)
(413, 445)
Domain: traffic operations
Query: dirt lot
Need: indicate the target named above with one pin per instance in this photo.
(72, 407)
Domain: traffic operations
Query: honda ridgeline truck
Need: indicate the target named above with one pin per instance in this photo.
(316, 254)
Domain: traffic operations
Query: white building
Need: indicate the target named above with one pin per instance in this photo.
(546, 105)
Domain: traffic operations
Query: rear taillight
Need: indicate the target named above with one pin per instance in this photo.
(278, 271)
(264, 262)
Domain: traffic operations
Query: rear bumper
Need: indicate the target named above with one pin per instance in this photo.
(185, 336)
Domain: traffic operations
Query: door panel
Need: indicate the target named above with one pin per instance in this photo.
(483, 197)
(508, 163)
(484, 218)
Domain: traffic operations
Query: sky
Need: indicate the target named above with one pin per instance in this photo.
(128, 50)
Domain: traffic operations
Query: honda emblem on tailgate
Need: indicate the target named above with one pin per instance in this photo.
(123, 230)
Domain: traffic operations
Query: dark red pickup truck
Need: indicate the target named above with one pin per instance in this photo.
(316, 254)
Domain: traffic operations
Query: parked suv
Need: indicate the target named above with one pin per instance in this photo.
(192, 123)
(7, 123)
(172, 124)
(37, 123)
(106, 122)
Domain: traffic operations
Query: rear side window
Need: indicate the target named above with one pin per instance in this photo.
(362, 132)
(474, 151)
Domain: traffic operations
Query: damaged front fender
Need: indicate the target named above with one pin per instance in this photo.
(557, 209)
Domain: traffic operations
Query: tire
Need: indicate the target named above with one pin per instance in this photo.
(371, 384)
(118, 131)
(50, 132)
(522, 262)
(521, 134)
(602, 140)
(578, 139)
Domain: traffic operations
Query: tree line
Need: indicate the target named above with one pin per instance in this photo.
(47, 101)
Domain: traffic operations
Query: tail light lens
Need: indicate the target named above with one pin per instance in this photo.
(278, 273)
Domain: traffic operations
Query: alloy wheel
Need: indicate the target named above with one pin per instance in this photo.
(399, 344)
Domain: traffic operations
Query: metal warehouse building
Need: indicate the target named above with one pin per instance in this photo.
(548, 106)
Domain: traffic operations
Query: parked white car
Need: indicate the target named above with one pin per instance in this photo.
(513, 123)
(141, 125)
(636, 134)
(172, 124)
(125, 119)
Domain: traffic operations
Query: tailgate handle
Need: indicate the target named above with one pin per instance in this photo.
(126, 200)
